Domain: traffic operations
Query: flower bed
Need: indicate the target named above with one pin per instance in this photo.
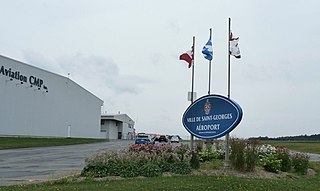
(147, 160)
(152, 160)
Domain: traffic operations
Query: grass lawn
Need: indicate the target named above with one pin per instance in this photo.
(307, 147)
(177, 183)
(24, 142)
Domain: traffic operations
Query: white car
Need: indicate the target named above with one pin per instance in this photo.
(174, 139)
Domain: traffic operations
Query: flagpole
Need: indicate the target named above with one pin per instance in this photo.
(210, 67)
(227, 135)
(192, 83)
(229, 31)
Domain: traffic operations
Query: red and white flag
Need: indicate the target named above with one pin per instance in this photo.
(234, 47)
(188, 57)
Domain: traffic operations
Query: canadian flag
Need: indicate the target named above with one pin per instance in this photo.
(188, 57)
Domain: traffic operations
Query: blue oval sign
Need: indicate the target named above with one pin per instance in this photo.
(212, 116)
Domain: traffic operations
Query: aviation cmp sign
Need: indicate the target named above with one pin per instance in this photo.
(212, 116)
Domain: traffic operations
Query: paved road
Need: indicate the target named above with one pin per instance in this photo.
(314, 157)
(36, 164)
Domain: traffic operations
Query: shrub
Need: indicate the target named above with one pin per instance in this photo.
(283, 155)
(151, 170)
(281, 160)
(209, 144)
(271, 163)
(237, 157)
(244, 154)
(145, 159)
(300, 163)
(267, 149)
(219, 148)
(94, 171)
(207, 155)
(183, 152)
(194, 161)
(251, 155)
(164, 166)
(130, 169)
(199, 146)
(181, 168)
(211, 164)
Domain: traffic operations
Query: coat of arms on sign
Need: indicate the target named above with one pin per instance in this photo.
(207, 107)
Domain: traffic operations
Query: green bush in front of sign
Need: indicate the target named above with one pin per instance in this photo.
(244, 154)
(237, 157)
(195, 161)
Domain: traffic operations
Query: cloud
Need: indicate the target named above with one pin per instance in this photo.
(87, 70)
(41, 61)
(173, 26)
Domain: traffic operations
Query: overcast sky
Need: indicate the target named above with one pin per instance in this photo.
(126, 53)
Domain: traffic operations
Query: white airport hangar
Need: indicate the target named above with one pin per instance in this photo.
(36, 102)
(119, 126)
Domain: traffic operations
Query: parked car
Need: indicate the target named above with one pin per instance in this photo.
(141, 139)
(161, 139)
(174, 139)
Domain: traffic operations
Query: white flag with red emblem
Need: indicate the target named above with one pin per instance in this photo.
(234, 46)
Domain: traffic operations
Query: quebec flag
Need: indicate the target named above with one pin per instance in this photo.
(207, 50)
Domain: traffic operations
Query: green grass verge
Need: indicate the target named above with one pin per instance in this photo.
(305, 146)
(177, 183)
(24, 142)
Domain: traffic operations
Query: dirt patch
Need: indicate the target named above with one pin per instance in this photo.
(259, 172)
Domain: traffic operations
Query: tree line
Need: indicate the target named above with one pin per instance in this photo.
(315, 137)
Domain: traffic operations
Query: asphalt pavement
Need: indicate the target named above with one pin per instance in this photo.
(30, 165)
